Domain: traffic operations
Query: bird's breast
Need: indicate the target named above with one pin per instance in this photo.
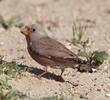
(41, 59)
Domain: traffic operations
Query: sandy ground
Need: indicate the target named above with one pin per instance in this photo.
(57, 17)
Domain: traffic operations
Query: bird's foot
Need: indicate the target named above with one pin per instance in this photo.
(39, 76)
(59, 78)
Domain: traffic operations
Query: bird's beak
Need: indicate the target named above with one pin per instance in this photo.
(25, 31)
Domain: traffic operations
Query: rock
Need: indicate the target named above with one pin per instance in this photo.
(107, 95)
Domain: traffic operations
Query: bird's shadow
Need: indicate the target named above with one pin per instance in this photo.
(48, 75)
(37, 71)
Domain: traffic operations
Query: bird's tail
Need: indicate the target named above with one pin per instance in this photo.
(81, 62)
(86, 63)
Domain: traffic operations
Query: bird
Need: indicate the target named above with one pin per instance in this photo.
(49, 52)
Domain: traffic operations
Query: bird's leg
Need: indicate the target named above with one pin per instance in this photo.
(41, 74)
(62, 70)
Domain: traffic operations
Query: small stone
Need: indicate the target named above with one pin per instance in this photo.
(99, 90)
(1, 43)
(95, 78)
(94, 84)
(91, 89)
(107, 95)
(22, 57)
(89, 73)
(105, 67)
(94, 32)
(94, 70)
(2, 29)
(107, 90)
(84, 96)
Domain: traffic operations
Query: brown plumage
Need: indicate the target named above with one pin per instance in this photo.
(47, 51)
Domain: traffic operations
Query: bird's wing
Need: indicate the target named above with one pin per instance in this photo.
(49, 47)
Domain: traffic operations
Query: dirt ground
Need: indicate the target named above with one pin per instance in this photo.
(57, 17)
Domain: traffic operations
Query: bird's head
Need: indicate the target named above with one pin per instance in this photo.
(34, 31)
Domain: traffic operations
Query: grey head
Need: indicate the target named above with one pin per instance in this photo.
(34, 31)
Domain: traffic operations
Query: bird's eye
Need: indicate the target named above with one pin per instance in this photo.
(33, 30)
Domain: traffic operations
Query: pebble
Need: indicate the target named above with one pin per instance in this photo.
(2, 29)
(84, 96)
(107, 94)
(99, 90)
(1, 43)
(107, 90)
(105, 67)
(94, 32)
(94, 70)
